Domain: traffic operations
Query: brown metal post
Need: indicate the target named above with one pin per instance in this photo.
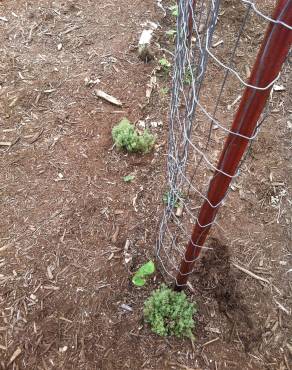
(272, 55)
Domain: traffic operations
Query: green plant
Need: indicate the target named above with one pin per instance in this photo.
(164, 91)
(188, 77)
(174, 10)
(128, 178)
(170, 313)
(165, 64)
(145, 270)
(125, 136)
(172, 199)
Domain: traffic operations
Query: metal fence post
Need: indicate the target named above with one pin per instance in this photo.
(270, 59)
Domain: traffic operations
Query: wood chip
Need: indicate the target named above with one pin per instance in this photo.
(234, 102)
(115, 235)
(289, 346)
(214, 330)
(179, 211)
(127, 255)
(279, 88)
(16, 353)
(70, 30)
(284, 309)
(150, 86)
(210, 341)
(251, 273)
(49, 273)
(36, 136)
(111, 99)
(217, 43)
(51, 287)
(2, 249)
(5, 143)
(64, 319)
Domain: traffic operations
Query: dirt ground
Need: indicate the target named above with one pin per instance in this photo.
(66, 212)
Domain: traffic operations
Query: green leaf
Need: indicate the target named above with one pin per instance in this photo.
(170, 33)
(128, 178)
(145, 270)
(164, 63)
(138, 281)
(174, 10)
(164, 90)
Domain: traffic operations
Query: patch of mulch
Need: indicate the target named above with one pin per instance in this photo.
(219, 279)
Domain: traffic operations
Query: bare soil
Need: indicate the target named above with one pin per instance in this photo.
(66, 212)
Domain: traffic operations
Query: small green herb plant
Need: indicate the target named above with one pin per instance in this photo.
(165, 65)
(174, 10)
(170, 313)
(139, 278)
(188, 77)
(125, 136)
(128, 178)
(164, 91)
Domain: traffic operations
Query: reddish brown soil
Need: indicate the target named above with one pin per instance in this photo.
(66, 213)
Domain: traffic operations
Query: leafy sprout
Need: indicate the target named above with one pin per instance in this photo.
(174, 10)
(139, 278)
(128, 178)
(188, 77)
(165, 65)
(164, 91)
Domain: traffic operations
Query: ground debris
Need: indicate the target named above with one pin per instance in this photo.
(109, 98)
(16, 353)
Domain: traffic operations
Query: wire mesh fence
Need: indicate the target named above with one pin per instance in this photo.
(216, 48)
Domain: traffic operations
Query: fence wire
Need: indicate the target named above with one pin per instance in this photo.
(209, 77)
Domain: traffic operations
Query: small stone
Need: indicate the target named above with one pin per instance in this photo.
(141, 124)
(126, 307)
(63, 349)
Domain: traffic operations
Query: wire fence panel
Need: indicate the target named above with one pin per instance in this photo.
(209, 82)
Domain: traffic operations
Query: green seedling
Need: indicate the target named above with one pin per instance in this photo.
(139, 278)
(126, 137)
(170, 313)
(174, 10)
(164, 91)
(188, 77)
(165, 65)
(128, 178)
